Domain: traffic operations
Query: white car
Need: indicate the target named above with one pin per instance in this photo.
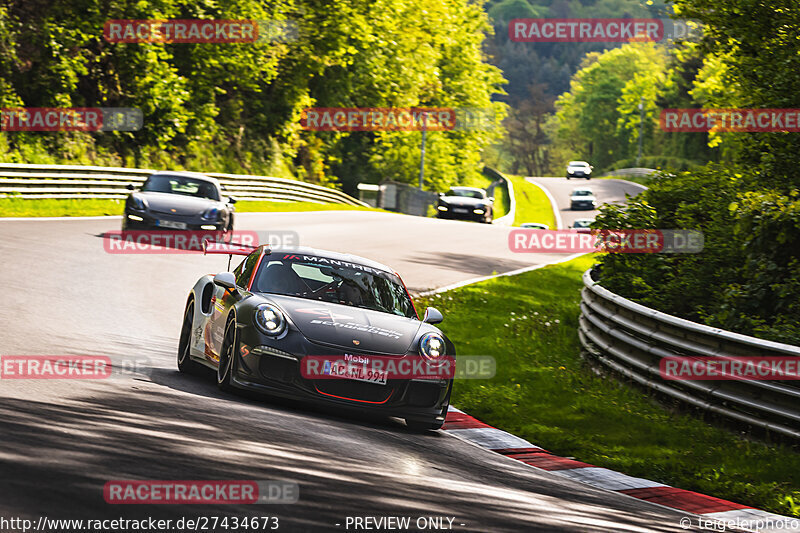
(579, 169)
(582, 225)
(582, 199)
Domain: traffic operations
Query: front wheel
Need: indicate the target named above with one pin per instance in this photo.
(227, 356)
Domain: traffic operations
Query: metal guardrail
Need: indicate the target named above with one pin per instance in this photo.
(73, 181)
(508, 218)
(630, 339)
(637, 172)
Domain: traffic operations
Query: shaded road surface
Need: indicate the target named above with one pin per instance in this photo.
(607, 191)
(62, 440)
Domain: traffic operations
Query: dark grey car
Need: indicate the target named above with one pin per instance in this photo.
(179, 200)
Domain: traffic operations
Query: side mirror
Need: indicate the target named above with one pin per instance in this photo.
(130, 187)
(491, 199)
(231, 200)
(432, 316)
(226, 280)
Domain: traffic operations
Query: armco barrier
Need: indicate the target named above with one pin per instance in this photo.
(73, 181)
(630, 339)
(636, 172)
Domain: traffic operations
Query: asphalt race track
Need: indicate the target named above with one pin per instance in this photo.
(607, 191)
(62, 440)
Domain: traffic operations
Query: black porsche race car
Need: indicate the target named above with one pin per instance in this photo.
(313, 325)
(179, 200)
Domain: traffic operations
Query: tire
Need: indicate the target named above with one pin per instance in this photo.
(588, 177)
(229, 229)
(488, 219)
(421, 426)
(185, 363)
(568, 177)
(227, 356)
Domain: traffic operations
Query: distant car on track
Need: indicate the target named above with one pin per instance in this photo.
(582, 225)
(181, 201)
(256, 326)
(582, 199)
(579, 169)
(466, 203)
(533, 225)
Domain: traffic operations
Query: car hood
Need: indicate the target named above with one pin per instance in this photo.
(463, 200)
(579, 198)
(340, 325)
(182, 204)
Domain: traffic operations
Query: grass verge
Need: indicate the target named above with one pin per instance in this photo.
(532, 203)
(52, 207)
(544, 392)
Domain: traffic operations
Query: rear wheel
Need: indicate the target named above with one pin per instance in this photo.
(185, 363)
(227, 356)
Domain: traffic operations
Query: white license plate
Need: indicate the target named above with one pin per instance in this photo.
(457, 210)
(171, 224)
(357, 373)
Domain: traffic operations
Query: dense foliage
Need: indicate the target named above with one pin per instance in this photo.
(748, 277)
(236, 107)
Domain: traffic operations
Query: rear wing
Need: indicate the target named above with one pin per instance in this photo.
(226, 248)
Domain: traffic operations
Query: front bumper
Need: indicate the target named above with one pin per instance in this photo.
(450, 214)
(145, 220)
(264, 366)
(583, 205)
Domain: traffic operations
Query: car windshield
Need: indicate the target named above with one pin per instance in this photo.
(582, 193)
(466, 193)
(582, 223)
(181, 185)
(338, 282)
(578, 164)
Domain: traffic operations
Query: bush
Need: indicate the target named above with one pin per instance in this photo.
(747, 279)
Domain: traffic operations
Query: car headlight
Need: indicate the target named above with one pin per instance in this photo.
(431, 346)
(442, 208)
(478, 211)
(134, 202)
(211, 213)
(270, 319)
